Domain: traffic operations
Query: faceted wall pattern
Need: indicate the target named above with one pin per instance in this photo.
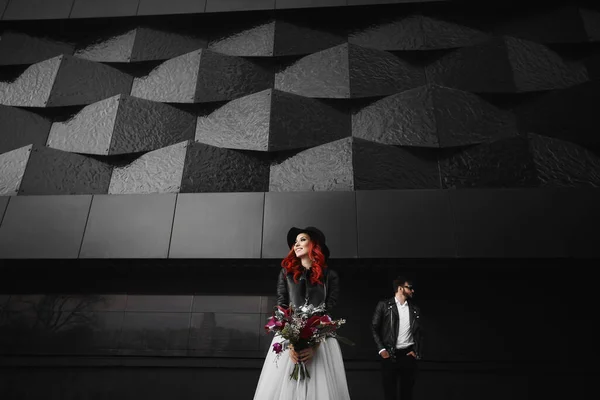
(423, 95)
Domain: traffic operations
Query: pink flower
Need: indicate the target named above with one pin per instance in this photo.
(273, 324)
(277, 348)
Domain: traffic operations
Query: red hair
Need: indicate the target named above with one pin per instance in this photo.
(292, 264)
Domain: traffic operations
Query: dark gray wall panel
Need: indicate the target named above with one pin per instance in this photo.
(104, 8)
(102, 81)
(481, 68)
(44, 226)
(157, 7)
(129, 226)
(52, 172)
(568, 114)
(504, 163)
(217, 225)
(20, 128)
(21, 48)
(213, 169)
(553, 24)
(405, 224)
(332, 212)
(160, 44)
(143, 125)
(37, 9)
(238, 5)
(3, 203)
(297, 37)
(379, 167)
(507, 223)
(308, 3)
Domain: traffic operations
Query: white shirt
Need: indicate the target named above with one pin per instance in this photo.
(404, 334)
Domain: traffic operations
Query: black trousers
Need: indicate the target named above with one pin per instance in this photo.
(398, 376)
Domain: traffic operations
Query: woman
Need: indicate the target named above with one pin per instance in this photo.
(305, 278)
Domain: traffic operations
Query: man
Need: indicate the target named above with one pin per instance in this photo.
(397, 333)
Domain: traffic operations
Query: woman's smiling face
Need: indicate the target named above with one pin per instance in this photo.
(302, 245)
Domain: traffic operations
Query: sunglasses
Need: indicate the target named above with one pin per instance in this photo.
(408, 287)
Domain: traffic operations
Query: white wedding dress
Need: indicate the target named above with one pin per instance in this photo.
(327, 375)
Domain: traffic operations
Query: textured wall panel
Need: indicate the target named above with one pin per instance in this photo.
(569, 114)
(21, 48)
(402, 32)
(298, 37)
(406, 118)
(324, 74)
(51, 172)
(19, 127)
(162, 44)
(558, 24)
(378, 73)
(90, 131)
(504, 163)
(432, 116)
(33, 87)
(536, 67)
(44, 226)
(202, 76)
(491, 223)
(158, 7)
(12, 169)
(380, 167)
(322, 168)
(129, 226)
(158, 171)
(405, 224)
(442, 32)
(272, 120)
(464, 118)
(215, 225)
(480, 68)
(213, 169)
(116, 47)
(122, 124)
(242, 123)
(143, 125)
(563, 164)
(226, 78)
(333, 213)
(37, 9)
(173, 81)
(298, 122)
(100, 82)
(256, 39)
(106, 8)
(238, 5)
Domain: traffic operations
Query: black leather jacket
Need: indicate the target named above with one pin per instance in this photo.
(290, 292)
(386, 323)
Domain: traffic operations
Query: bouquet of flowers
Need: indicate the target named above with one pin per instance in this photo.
(302, 328)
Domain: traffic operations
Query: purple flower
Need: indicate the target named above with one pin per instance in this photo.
(277, 348)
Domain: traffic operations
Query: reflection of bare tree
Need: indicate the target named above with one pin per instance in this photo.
(49, 322)
(56, 312)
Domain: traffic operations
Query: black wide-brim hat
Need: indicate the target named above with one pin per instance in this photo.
(315, 235)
